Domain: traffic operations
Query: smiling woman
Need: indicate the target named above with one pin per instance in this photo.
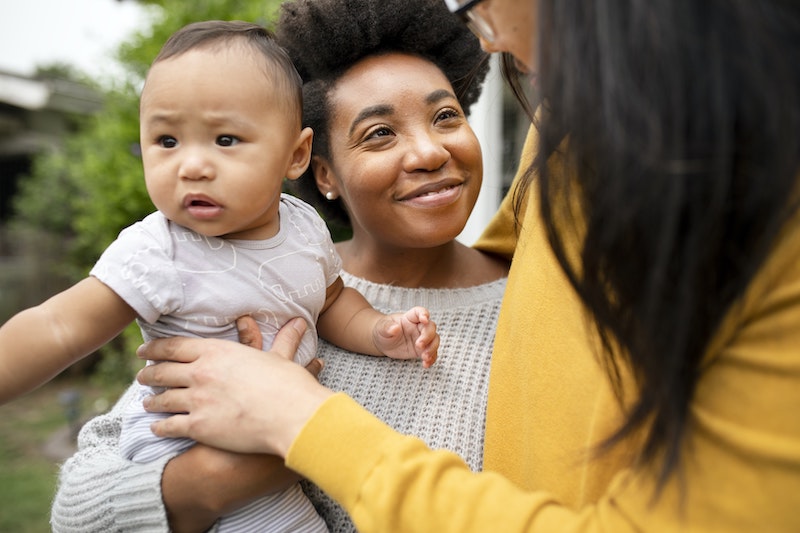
(407, 164)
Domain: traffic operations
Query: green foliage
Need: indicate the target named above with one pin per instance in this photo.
(34, 439)
(92, 187)
(26, 487)
(105, 162)
(27, 478)
(89, 189)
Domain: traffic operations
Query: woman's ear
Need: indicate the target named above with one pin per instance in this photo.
(301, 156)
(325, 177)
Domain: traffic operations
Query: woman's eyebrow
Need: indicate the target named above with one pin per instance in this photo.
(439, 94)
(380, 110)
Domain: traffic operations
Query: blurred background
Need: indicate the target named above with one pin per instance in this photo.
(70, 180)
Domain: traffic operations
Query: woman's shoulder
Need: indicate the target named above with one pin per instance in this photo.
(476, 267)
(493, 266)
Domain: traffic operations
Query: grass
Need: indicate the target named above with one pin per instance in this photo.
(28, 460)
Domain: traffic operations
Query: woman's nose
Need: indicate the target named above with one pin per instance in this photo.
(426, 152)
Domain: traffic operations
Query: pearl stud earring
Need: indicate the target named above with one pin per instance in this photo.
(330, 195)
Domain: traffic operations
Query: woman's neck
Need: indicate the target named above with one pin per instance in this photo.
(451, 265)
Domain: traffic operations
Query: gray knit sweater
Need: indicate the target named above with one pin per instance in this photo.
(445, 405)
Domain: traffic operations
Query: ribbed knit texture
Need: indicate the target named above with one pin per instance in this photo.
(444, 405)
(99, 491)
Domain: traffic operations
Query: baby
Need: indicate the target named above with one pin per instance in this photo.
(220, 129)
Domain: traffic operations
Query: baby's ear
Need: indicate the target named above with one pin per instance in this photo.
(301, 155)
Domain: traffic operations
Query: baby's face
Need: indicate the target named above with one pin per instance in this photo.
(216, 142)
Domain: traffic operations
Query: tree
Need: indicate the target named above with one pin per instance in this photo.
(92, 187)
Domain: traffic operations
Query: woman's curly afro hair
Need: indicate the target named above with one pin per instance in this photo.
(324, 38)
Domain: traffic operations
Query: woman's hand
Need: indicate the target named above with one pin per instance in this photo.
(232, 396)
(250, 335)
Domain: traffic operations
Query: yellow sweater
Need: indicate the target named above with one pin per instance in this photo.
(549, 402)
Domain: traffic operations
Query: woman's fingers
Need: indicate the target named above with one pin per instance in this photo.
(288, 338)
(165, 374)
(249, 334)
(315, 367)
(187, 350)
(213, 386)
(176, 426)
(170, 401)
(170, 349)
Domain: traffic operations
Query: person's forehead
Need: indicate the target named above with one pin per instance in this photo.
(389, 69)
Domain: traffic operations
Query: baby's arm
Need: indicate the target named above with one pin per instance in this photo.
(38, 343)
(349, 321)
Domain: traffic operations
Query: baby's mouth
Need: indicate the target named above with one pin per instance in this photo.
(202, 207)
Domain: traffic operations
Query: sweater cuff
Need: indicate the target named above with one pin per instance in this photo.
(342, 436)
(136, 497)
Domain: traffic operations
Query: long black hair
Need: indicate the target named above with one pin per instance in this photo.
(678, 125)
(326, 37)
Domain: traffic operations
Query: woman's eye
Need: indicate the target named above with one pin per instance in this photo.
(167, 141)
(381, 131)
(227, 140)
(446, 114)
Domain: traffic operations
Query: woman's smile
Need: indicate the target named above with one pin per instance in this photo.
(434, 195)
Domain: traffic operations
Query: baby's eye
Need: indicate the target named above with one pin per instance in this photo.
(167, 141)
(227, 140)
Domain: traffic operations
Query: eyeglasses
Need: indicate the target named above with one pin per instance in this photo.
(474, 21)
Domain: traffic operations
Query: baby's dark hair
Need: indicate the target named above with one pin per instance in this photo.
(325, 38)
(278, 67)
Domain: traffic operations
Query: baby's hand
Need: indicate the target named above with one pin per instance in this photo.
(409, 335)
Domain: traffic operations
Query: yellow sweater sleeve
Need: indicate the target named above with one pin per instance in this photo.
(391, 482)
(549, 402)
